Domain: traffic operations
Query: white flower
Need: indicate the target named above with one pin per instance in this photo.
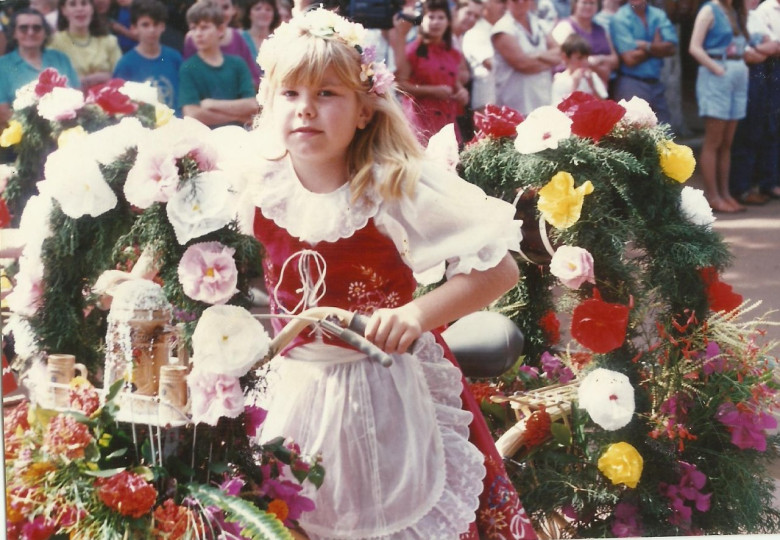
(638, 113)
(573, 266)
(544, 128)
(111, 142)
(26, 96)
(60, 104)
(695, 206)
(443, 148)
(202, 205)
(34, 225)
(228, 340)
(608, 397)
(25, 298)
(143, 92)
(6, 172)
(74, 180)
(25, 341)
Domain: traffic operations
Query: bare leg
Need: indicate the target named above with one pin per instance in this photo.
(714, 133)
(724, 164)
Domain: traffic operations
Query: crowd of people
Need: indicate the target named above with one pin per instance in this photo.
(450, 60)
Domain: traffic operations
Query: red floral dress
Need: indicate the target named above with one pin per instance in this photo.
(394, 441)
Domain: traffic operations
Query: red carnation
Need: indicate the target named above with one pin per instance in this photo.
(551, 327)
(172, 521)
(591, 117)
(598, 325)
(496, 122)
(127, 493)
(110, 99)
(720, 296)
(48, 80)
(67, 437)
(537, 428)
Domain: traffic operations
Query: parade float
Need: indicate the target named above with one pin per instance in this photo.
(641, 404)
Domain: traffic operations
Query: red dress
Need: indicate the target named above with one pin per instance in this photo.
(393, 440)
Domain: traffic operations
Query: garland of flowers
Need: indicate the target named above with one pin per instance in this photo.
(668, 433)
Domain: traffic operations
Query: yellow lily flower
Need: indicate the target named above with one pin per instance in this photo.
(622, 464)
(677, 160)
(560, 203)
(12, 134)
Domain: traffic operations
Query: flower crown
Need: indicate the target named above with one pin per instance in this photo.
(326, 24)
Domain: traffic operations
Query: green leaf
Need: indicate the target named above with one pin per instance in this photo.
(117, 453)
(317, 475)
(561, 433)
(105, 473)
(256, 524)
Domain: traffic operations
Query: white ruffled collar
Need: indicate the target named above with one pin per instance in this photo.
(308, 216)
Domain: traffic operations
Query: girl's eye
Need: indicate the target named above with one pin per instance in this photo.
(289, 93)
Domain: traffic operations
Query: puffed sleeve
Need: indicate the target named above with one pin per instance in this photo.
(449, 226)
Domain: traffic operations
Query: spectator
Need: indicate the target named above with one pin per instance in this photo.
(214, 88)
(642, 35)
(150, 61)
(525, 56)
(478, 51)
(578, 74)
(29, 33)
(121, 22)
(718, 44)
(285, 10)
(755, 156)
(467, 15)
(48, 8)
(85, 38)
(603, 58)
(261, 17)
(230, 42)
(605, 14)
(433, 74)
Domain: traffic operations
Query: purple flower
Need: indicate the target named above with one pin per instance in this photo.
(716, 362)
(255, 416)
(687, 490)
(531, 372)
(554, 369)
(746, 424)
(626, 522)
(287, 491)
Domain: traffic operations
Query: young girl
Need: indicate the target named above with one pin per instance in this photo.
(347, 211)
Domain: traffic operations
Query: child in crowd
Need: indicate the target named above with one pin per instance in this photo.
(578, 76)
(121, 25)
(149, 60)
(349, 211)
(214, 88)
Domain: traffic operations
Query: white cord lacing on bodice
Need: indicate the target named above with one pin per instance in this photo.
(312, 288)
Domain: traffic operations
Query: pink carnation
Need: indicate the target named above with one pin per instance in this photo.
(214, 395)
(208, 273)
(573, 266)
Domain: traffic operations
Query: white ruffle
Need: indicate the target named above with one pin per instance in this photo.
(438, 500)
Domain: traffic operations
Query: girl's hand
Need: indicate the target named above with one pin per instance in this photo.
(394, 330)
(461, 95)
(720, 71)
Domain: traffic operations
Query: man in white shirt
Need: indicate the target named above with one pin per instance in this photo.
(478, 51)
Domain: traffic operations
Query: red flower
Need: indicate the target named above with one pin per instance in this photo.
(110, 99)
(720, 296)
(67, 437)
(483, 391)
(83, 396)
(537, 428)
(127, 493)
(551, 327)
(496, 122)
(5, 215)
(598, 325)
(591, 117)
(172, 521)
(48, 80)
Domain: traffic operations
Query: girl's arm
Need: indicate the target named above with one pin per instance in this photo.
(703, 23)
(394, 330)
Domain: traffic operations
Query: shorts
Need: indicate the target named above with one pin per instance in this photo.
(723, 97)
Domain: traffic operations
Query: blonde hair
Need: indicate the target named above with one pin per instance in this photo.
(296, 55)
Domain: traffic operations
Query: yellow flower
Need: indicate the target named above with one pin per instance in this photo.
(560, 203)
(70, 135)
(622, 464)
(162, 114)
(12, 134)
(677, 160)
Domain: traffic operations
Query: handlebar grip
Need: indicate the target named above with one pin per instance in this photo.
(360, 322)
(363, 345)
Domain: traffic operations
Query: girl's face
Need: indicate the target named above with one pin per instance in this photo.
(318, 122)
(435, 23)
(261, 15)
(229, 9)
(79, 13)
(29, 32)
(586, 8)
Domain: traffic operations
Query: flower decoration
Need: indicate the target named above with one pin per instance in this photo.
(543, 129)
(142, 92)
(573, 266)
(560, 203)
(554, 369)
(608, 397)
(598, 325)
(695, 207)
(67, 437)
(537, 428)
(687, 490)
(443, 148)
(591, 117)
(60, 104)
(621, 464)
(110, 143)
(747, 424)
(207, 272)
(25, 298)
(626, 522)
(286, 491)
(82, 396)
(48, 80)
(551, 327)
(720, 295)
(203, 205)
(376, 74)
(496, 122)
(228, 340)
(128, 493)
(12, 134)
(214, 395)
(110, 97)
(677, 161)
(172, 520)
(638, 115)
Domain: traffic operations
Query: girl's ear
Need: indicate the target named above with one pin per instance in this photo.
(365, 116)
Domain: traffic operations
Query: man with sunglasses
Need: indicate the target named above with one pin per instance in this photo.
(29, 33)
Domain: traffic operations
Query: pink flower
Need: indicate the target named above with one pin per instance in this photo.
(747, 424)
(61, 104)
(214, 395)
(626, 522)
(208, 273)
(153, 178)
(40, 528)
(687, 490)
(573, 266)
(554, 369)
(287, 491)
(255, 416)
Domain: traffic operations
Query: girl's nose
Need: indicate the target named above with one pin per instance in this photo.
(306, 108)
